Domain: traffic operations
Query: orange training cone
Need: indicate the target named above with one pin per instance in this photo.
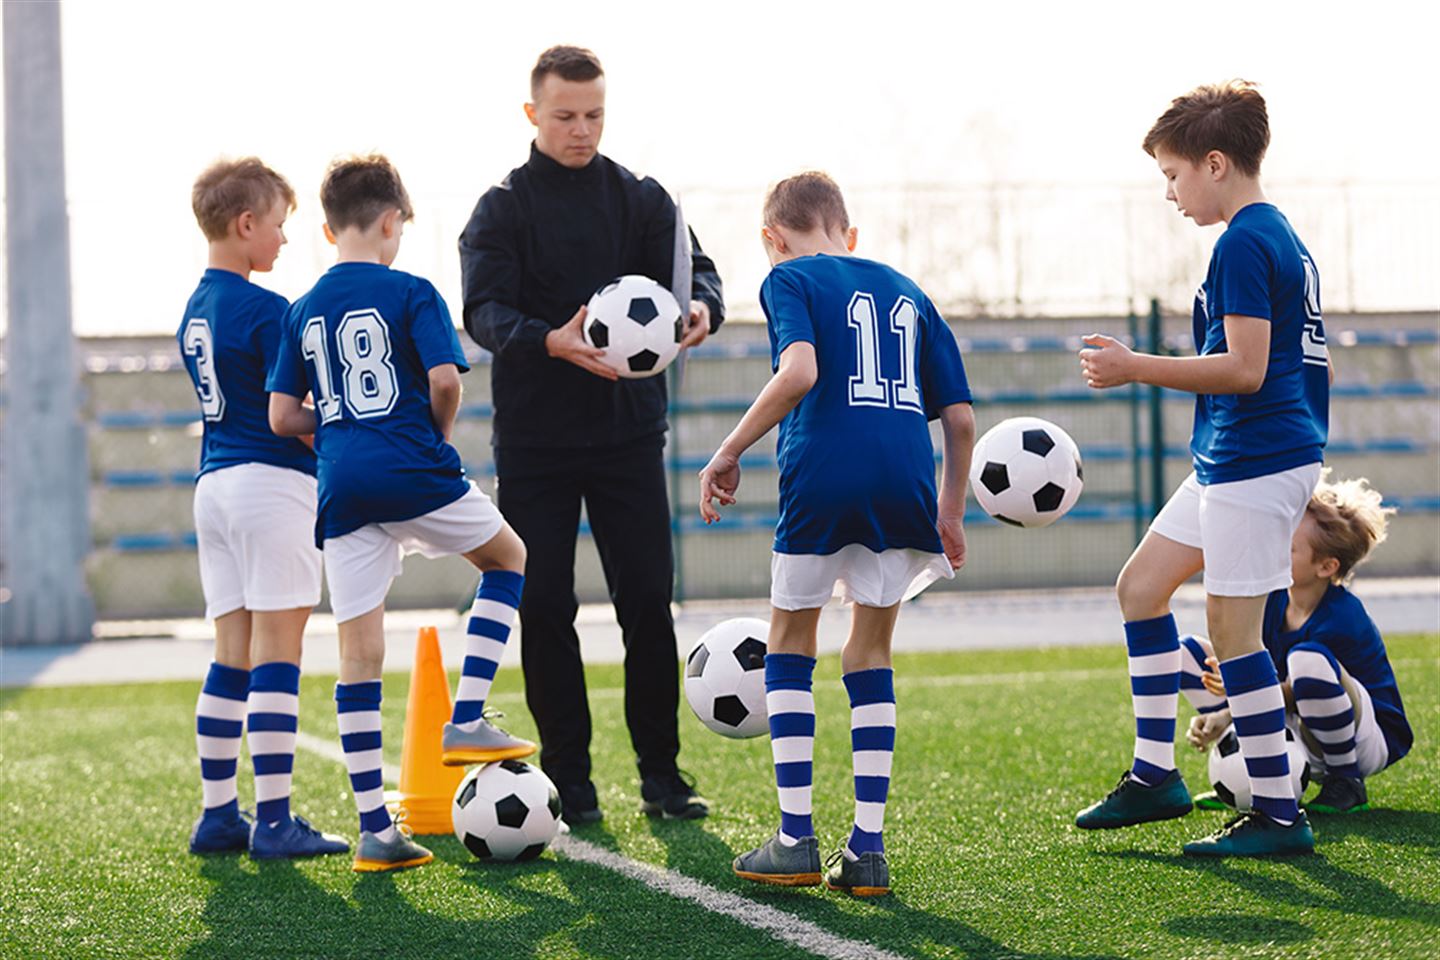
(427, 787)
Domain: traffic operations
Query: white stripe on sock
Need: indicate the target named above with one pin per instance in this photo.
(263, 742)
(792, 749)
(1154, 664)
(1325, 708)
(217, 748)
(1262, 700)
(1160, 706)
(270, 701)
(271, 786)
(789, 701)
(872, 715)
(359, 721)
(795, 800)
(870, 817)
(1155, 752)
(872, 763)
(493, 610)
(486, 648)
(219, 708)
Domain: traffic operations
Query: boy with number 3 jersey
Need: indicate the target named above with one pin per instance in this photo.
(254, 501)
(377, 351)
(862, 362)
(1261, 382)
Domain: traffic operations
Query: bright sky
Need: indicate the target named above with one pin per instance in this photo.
(713, 100)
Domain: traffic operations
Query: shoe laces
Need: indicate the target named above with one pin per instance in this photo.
(1235, 824)
(401, 827)
(1119, 785)
(490, 715)
(835, 857)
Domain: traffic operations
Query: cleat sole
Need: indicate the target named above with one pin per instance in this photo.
(1335, 811)
(464, 757)
(379, 866)
(782, 879)
(1174, 813)
(859, 891)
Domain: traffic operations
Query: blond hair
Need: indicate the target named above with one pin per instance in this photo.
(228, 188)
(806, 201)
(1350, 522)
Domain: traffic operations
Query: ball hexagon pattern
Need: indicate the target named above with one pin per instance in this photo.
(1026, 472)
(725, 678)
(637, 323)
(506, 811)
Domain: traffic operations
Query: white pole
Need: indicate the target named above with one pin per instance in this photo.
(44, 469)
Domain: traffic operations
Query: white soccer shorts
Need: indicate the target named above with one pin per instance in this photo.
(855, 574)
(255, 530)
(360, 566)
(1243, 527)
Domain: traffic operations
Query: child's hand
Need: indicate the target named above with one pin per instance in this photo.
(1105, 362)
(718, 481)
(952, 539)
(1211, 677)
(1207, 728)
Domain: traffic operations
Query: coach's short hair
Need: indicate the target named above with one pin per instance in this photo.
(1229, 117)
(228, 188)
(806, 201)
(358, 189)
(575, 64)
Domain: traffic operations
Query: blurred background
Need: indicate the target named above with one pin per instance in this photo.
(991, 153)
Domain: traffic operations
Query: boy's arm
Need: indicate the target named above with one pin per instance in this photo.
(289, 417)
(1106, 362)
(957, 423)
(445, 397)
(794, 378)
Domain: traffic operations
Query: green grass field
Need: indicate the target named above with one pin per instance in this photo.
(996, 752)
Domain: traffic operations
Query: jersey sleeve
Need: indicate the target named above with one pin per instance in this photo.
(287, 370)
(787, 312)
(268, 330)
(432, 329)
(1242, 278)
(942, 371)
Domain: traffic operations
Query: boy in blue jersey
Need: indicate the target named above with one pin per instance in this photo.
(1261, 381)
(862, 362)
(1341, 698)
(376, 349)
(254, 498)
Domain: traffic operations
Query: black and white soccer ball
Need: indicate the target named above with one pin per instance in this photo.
(637, 323)
(1230, 779)
(1026, 472)
(725, 678)
(506, 811)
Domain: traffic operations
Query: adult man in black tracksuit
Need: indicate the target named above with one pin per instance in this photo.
(566, 429)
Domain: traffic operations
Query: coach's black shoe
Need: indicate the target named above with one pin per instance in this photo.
(578, 803)
(1133, 802)
(1340, 795)
(672, 796)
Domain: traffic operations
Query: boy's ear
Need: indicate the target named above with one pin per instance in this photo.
(329, 234)
(390, 222)
(530, 114)
(245, 224)
(851, 236)
(1329, 567)
(772, 240)
(1216, 164)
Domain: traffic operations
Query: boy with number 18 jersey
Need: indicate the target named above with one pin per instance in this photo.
(376, 349)
(254, 499)
(863, 361)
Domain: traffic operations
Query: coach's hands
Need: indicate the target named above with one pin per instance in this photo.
(952, 538)
(718, 481)
(1105, 362)
(1206, 728)
(697, 325)
(568, 343)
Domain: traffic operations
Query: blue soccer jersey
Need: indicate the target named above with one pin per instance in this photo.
(228, 340)
(362, 343)
(1341, 624)
(856, 462)
(1259, 268)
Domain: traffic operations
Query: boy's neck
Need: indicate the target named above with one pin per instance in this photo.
(224, 256)
(1243, 192)
(1304, 598)
(814, 243)
(357, 251)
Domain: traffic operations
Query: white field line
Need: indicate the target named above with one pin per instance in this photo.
(779, 924)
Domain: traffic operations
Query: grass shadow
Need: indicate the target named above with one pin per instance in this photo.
(1239, 928)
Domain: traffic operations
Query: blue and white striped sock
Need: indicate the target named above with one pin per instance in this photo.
(1257, 706)
(791, 707)
(872, 745)
(1194, 651)
(1324, 705)
(358, 708)
(1154, 648)
(496, 600)
(219, 724)
(274, 719)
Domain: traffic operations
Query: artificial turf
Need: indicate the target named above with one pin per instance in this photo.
(996, 751)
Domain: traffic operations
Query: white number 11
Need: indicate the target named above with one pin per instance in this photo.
(868, 387)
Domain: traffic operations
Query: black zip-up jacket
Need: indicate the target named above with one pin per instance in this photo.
(535, 249)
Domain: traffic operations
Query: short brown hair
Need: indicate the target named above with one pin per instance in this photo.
(575, 64)
(1228, 117)
(228, 188)
(1350, 522)
(358, 189)
(806, 201)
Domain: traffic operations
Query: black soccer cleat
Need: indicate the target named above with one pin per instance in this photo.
(1340, 795)
(672, 796)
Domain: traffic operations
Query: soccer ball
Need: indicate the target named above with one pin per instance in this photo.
(725, 678)
(1231, 780)
(637, 323)
(1026, 472)
(506, 811)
